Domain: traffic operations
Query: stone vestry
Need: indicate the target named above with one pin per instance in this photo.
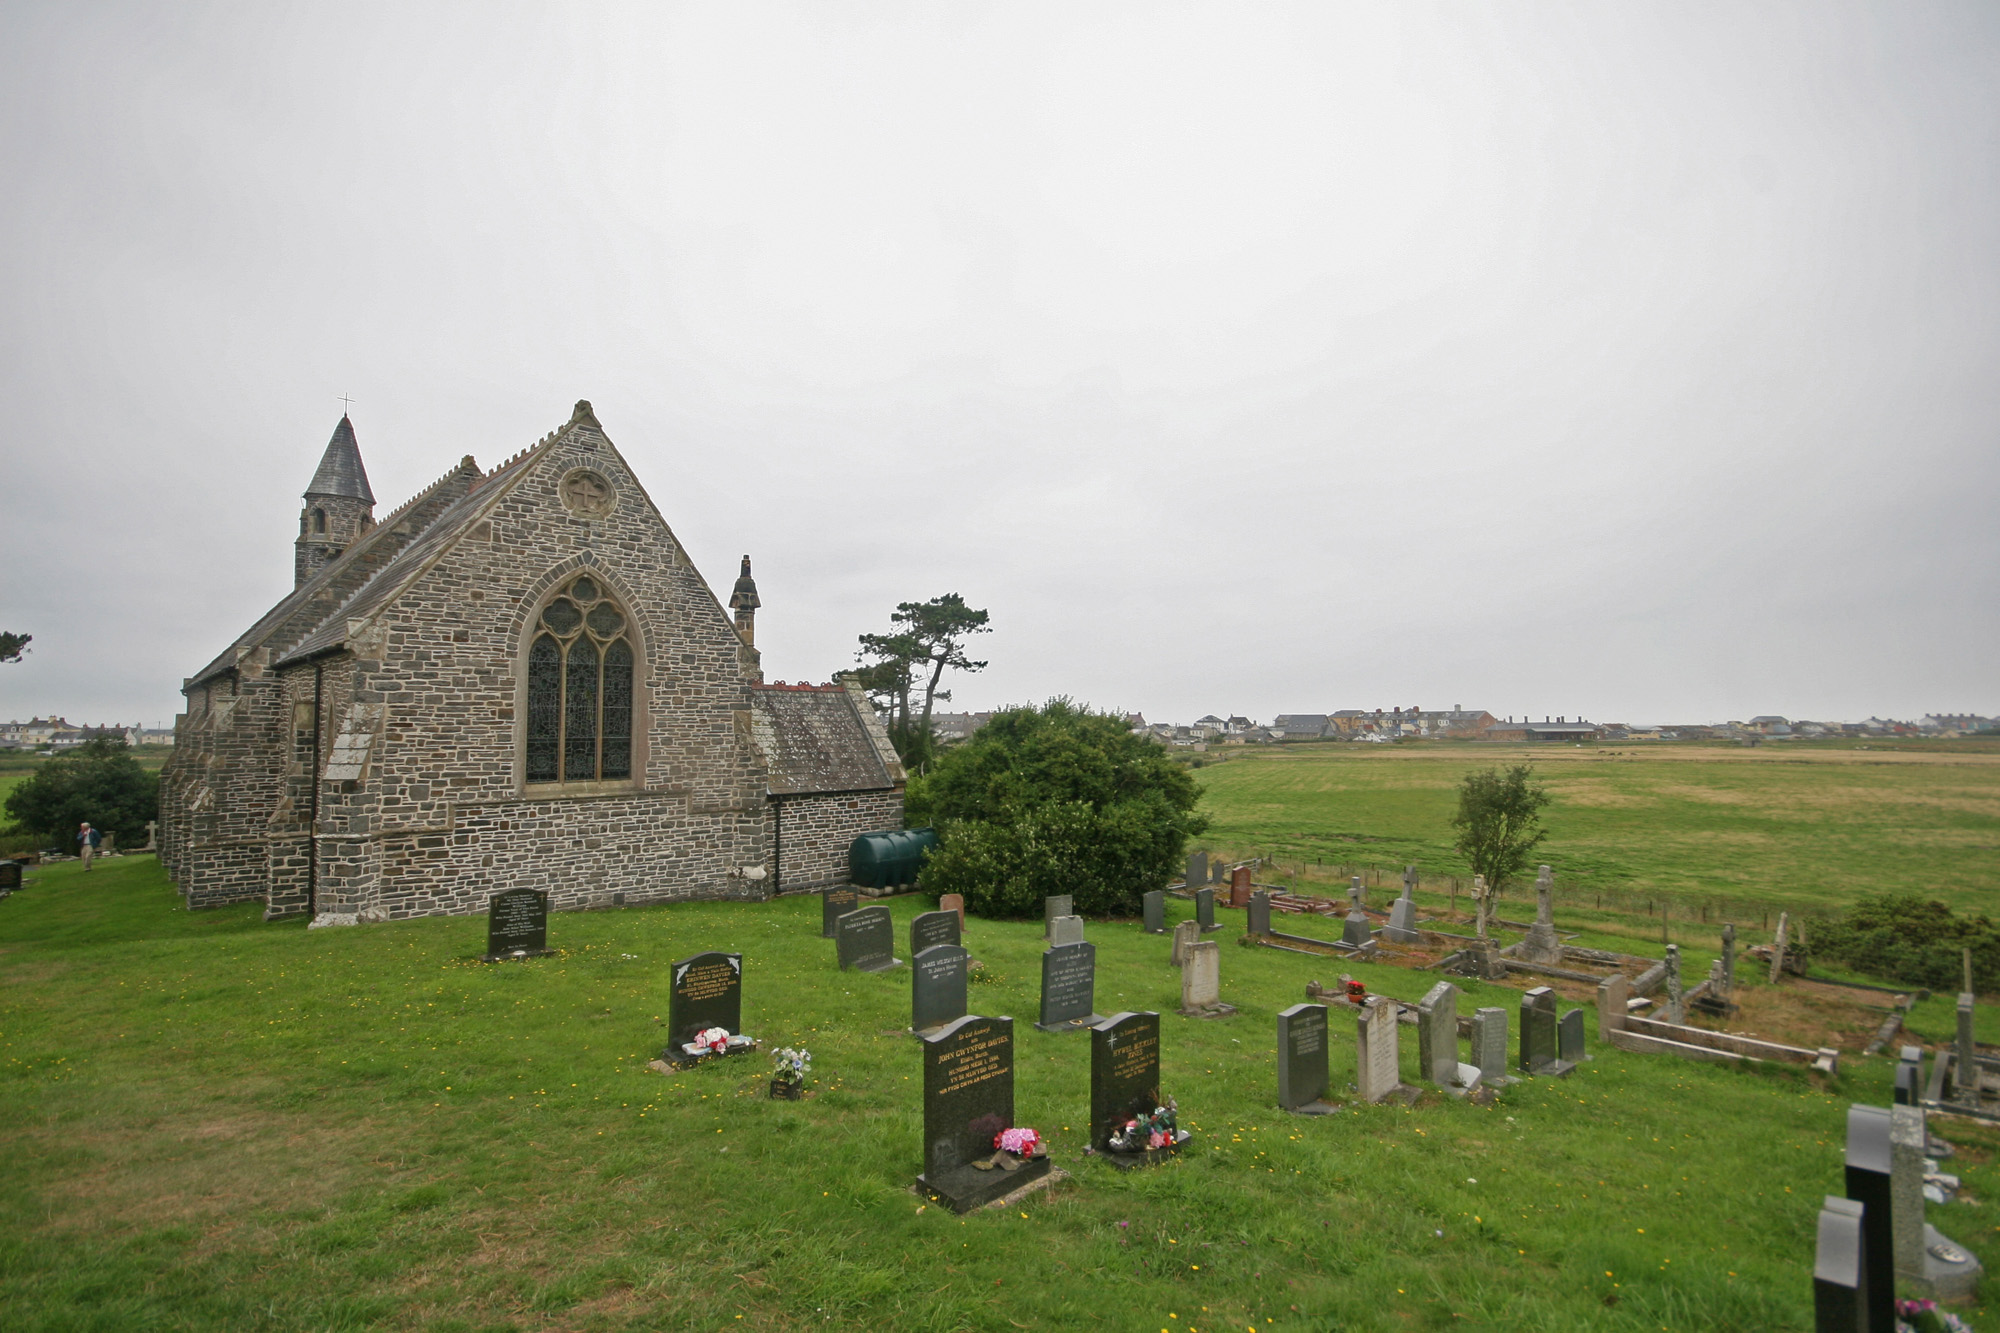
(517, 678)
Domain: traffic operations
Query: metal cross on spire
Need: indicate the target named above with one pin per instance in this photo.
(345, 404)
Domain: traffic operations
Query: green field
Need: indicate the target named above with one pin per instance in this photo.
(1739, 830)
(212, 1122)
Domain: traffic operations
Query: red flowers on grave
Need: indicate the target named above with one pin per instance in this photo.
(1357, 991)
(713, 1040)
(1021, 1141)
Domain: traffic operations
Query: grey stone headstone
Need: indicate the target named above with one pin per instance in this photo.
(1910, 1076)
(1197, 870)
(1302, 1058)
(866, 939)
(1053, 906)
(1409, 880)
(1357, 896)
(1066, 930)
(1489, 1044)
(1356, 931)
(1185, 935)
(1204, 908)
(1676, 997)
(932, 928)
(1870, 1182)
(1538, 1030)
(1908, 1146)
(1156, 912)
(1729, 959)
(1612, 993)
(1569, 1037)
(1840, 1269)
(1069, 988)
(1965, 1056)
(1437, 1035)
(937, 986)
(1378, 1064)
(1218, 873)
(1260, 912)
(1201, 977)
(1402, 927)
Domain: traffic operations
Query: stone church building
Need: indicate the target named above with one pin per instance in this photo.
(518, 678)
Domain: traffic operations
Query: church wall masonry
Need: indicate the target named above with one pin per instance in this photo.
(391, 691)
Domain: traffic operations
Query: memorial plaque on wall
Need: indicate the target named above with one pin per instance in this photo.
(1124, 1082)
(517, 925)
(707, 992)
(928, 928)
(937, 986)
(833, 905)
(1302, 1063)
(866, 939)
(1069, 988)
(968, 1100)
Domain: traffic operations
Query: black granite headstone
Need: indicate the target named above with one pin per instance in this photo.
(1569, 1038)
(866, 939)
(1840, 1269)
(1125, 1082)
(928, 928)
(1069, 988)
(1156, 912)
(937, 986)
(833, 905)
(10, 876)
(1302, 1060)
(517, 925)
(1204, 909)
(1868, 1169)
(1539, 1054)
(1260, 912)
(707, 992)
(968, 1100)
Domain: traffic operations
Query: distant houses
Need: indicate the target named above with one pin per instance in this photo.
(54, 733)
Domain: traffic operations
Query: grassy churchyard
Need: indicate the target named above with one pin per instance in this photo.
(213, 1122)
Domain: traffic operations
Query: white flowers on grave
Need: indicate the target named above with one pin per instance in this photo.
(790, 1066)
(713, 1041)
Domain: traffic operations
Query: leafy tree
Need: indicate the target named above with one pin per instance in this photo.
(99, 781)
(928, 640)
(1912, 941)
(1056, 799)
(1499, 822)
(13, 645)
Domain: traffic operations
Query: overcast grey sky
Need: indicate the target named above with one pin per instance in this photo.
(1636, 362)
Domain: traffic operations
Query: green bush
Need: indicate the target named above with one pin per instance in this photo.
(100, 782)
(1056, 799)
(1912, 941)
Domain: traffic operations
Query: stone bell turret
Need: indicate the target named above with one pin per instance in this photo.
(743, 601)
(339, 506)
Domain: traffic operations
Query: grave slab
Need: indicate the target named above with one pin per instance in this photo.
(937, 986)
(866, 939)
(1069, 988)
(1302, 1060)
(968, 1070)
(1125, 1082)
(835, 903)
(517, 925)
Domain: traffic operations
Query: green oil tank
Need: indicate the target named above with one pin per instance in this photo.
(889, 859)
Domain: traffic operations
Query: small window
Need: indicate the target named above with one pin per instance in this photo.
(580, 674)
(319, 520)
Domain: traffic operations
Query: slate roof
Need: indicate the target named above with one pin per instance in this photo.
(340, 471)
(313, 617)
(816, 739)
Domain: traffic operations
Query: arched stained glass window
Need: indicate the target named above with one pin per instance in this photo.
(580, 669)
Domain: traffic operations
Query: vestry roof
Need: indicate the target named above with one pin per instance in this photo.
(340, 471)
(818, 738)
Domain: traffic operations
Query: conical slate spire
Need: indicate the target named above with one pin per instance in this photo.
(340, 471)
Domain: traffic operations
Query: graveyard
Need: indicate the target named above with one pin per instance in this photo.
(216, 1121)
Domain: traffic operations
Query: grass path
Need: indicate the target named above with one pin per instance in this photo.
(214, 1122)
(1770, 827)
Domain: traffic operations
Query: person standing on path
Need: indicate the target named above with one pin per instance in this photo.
(87, 839)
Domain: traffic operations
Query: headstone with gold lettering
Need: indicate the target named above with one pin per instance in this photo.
(1125, 1097)
(706, 993)
(833, 904)
(968, 1100)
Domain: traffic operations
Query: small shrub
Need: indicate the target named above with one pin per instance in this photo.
(1912, 941)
